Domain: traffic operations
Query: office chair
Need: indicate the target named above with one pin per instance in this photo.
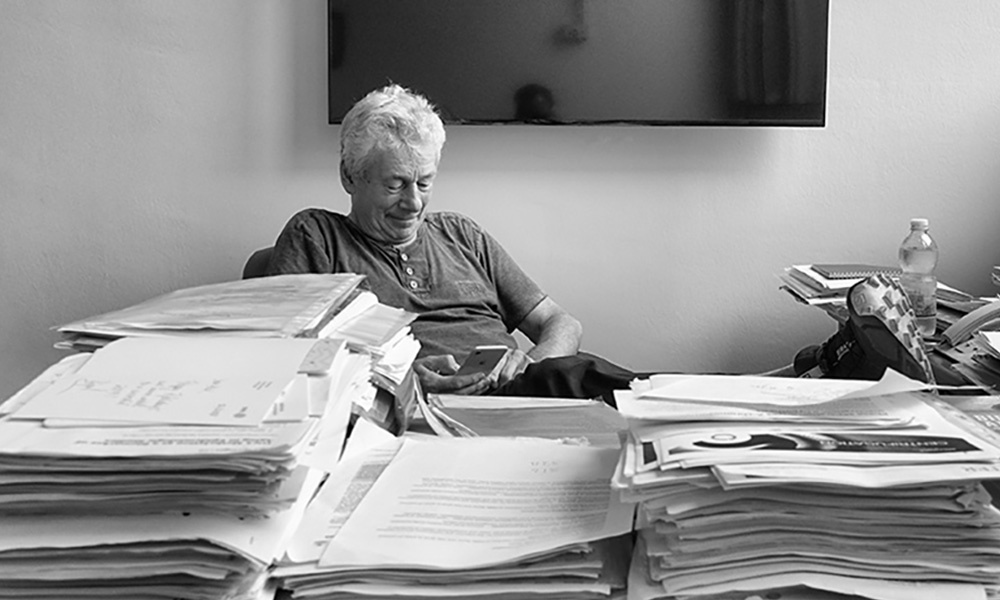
(256, 265)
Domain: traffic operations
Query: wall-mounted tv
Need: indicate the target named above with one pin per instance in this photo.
(588, 62)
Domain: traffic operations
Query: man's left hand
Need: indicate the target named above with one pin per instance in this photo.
(512, 365)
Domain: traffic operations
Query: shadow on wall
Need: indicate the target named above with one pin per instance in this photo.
(314, 143)
(282, 92)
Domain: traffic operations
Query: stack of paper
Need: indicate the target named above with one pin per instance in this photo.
(767, 487)
(168, 467)
(280, 306)
(977, 358)
(986, 411)
(284, 306)
(170, 556)
(812, 287)
(418, 517)
(330, 306)
(149, 424)
(816, 285)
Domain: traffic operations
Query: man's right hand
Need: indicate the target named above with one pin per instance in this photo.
(437, 376)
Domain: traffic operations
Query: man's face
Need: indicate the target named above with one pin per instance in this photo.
(388, 202)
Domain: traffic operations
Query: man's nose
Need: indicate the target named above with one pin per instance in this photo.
(411, 196)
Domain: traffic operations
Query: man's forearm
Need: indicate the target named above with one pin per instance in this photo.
(559, 337)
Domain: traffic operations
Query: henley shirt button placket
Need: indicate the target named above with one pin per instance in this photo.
(409, 270)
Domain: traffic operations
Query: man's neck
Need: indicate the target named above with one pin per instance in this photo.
(385, 243)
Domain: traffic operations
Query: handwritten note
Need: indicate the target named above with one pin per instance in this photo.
(231, 401)
(215, 381)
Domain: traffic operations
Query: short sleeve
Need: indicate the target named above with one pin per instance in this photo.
(517, 293)
(301, 247)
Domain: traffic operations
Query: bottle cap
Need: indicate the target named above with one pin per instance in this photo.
(919, 223)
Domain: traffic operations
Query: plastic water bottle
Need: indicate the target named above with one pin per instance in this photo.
(918, 255)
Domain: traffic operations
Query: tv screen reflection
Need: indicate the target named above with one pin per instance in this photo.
(659, 62)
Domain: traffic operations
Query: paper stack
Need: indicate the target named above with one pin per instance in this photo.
(382, 332)
(300, 305)
(977, 358)
(825, 286)
(812, 489)
(279, 306)
(170, 467)
(421, 516)
(812, 287)
(170, 556)
(324, 306)
(974, 353)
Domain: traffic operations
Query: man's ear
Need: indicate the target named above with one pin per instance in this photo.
(346, 179)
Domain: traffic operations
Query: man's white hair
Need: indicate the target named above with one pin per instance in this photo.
(389, 118)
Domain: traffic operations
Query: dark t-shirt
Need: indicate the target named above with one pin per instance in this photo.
(464, 287)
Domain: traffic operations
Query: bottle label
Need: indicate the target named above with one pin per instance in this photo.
(920, 292)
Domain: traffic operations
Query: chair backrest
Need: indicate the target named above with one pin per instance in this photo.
(256, 265)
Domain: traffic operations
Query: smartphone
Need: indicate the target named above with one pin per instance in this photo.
(483, 359)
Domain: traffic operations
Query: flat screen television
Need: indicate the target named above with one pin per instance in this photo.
(588, 62)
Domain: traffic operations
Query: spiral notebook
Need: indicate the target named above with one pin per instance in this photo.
(853, 270)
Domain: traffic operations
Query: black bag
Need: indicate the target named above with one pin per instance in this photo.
(880, 332)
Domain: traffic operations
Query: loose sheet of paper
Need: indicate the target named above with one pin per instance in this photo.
(472, 502)
(646, 416)
(770, 391)
(590, 420)
(756, 474)
(870, 404)
(368, 451)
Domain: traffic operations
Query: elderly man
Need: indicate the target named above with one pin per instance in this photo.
(465, 289)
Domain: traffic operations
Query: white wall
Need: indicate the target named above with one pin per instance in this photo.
(147, 145)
